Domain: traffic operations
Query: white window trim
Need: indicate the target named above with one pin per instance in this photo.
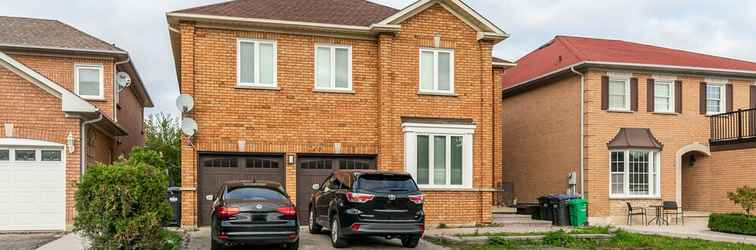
(626, 108)
(98, 67)
(332, 84)
(722, 98)
(672, 103)
(656, 158)
(435, 89)
(257, 82)
(412, 130)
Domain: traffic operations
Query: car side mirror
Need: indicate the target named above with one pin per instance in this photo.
(315, 186)
(209, 197)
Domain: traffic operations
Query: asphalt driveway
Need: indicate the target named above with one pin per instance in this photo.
(26, 241)
(200, 240)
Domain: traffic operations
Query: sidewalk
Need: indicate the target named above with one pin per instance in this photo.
(70, 241)
(697, 230)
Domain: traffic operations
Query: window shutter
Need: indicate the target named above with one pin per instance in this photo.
(634, 94)
(678, 96)
(702, 98)
(604, 92)
(728, 87)
(753, 96)
(650, 94)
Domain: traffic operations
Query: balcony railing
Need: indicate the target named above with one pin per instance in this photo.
(733, 127)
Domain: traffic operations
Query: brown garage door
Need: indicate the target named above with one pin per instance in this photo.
(314, 169)
(215, 169)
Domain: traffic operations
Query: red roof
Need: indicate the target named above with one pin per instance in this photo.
(564, 51)
(343, 12)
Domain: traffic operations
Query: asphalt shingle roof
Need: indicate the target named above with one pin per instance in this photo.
(53, 34)
(342, 12)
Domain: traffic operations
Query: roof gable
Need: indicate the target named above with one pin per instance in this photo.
(456, 7)
(340, 12)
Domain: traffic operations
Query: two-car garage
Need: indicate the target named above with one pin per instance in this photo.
(217, 168)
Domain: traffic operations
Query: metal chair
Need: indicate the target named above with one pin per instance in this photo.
(671, 208)
(635, 211)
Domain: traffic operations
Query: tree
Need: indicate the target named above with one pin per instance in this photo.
(745, 197)
(163, 135)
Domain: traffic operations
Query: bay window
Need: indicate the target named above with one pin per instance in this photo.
(439, 156)
(634, 173)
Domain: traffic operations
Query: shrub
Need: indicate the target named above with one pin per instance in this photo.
(122, 206)
(733, 223)
(745, 197)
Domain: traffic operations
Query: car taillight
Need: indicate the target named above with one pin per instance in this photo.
(288, 212)
(227, 212)
(358, 197)
(417, 199)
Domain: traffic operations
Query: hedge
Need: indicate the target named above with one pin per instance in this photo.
(122, 206)
(733, 223)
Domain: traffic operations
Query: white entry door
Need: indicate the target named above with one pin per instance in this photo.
(32, 188)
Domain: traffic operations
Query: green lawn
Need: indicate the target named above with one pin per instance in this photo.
(622, 240)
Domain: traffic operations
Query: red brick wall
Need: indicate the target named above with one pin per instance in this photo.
(295, 120)
(706, 183)
(131, 117)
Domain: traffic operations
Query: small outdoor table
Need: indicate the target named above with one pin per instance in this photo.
(659, 217)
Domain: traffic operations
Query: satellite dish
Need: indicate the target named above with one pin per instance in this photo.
(189, 126)
(185, 103)
(123, 80)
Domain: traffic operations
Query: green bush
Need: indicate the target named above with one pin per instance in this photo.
(122, 206)
(745, 197)
(733, 223)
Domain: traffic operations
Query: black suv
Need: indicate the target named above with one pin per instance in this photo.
(369, 203)
(253, 213)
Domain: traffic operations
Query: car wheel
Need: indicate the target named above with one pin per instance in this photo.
(337, 238)
(313, 224)
(215, 245)
(410, 241)
(293, 246)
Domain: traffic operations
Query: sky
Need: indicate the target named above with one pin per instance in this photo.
(724, 28)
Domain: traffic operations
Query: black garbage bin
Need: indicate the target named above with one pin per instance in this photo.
(544, 208)
(560, 209)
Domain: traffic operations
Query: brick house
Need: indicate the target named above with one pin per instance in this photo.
(58, 105)
(632, 122)
(316, 85)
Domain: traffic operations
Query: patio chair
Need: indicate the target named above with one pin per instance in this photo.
(635, 211)
(671, 208)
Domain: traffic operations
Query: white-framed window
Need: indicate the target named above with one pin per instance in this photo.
(664, 97)
(89, 81)
(619, 94)
(715, 99)
(333, 67)
(437, 71)
(439, 156)
(4, 154)
(256, 63)
(25, 155)
(634, 173)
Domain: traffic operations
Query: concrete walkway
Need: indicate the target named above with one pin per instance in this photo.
(696, 230)
(70, 241)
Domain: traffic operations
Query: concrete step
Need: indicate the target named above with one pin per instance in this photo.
(518, 220)
(504, 210)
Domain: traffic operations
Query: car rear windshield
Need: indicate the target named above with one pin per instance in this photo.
(254, 194)
(386, 183)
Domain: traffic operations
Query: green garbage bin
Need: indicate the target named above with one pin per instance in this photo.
(578, 212)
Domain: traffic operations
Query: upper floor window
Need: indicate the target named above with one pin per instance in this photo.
(664, 98)
(715, 98)
(256, 63)
(89, 81)
(437, 71)
(634, 173)
(619, 94)
(333, 67)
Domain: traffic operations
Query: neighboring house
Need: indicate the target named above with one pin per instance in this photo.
(290, 90)
(652, 124)
(58, 105)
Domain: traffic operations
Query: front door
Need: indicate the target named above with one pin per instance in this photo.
(315, 169)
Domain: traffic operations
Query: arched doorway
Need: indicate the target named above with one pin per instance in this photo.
(684, 157)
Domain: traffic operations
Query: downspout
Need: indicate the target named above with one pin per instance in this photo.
(582, 130)
(116, 98)
(83, 146)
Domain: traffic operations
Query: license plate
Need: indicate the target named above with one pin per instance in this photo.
(259, 217)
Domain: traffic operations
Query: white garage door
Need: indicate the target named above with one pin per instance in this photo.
(32, 188)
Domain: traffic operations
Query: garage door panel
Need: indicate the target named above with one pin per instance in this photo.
(215, 169)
